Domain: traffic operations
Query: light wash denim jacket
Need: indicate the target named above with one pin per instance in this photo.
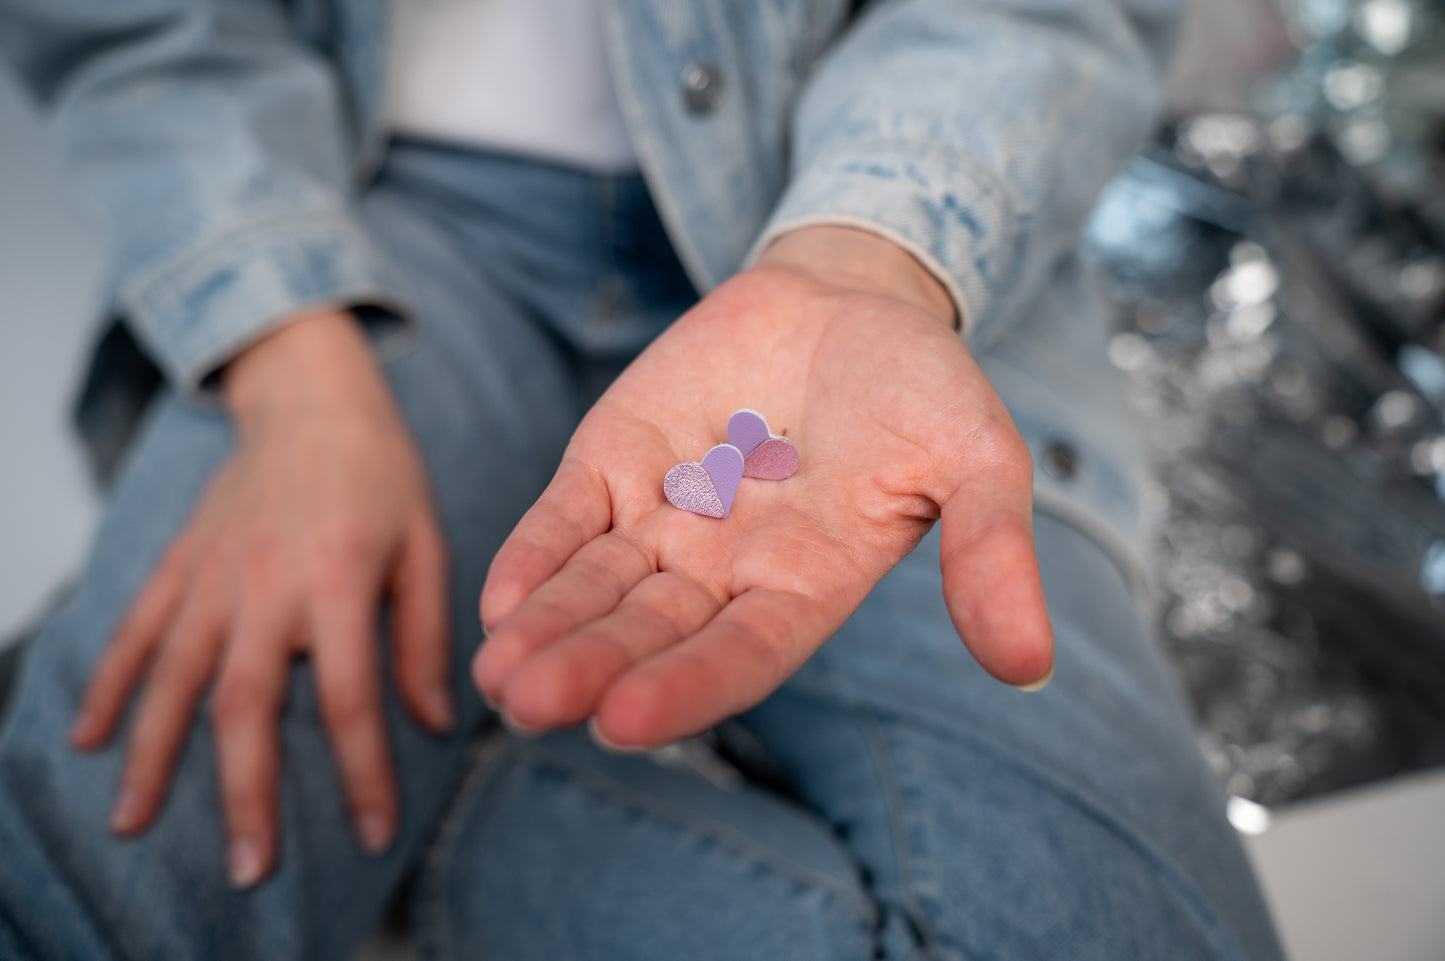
(226, 141)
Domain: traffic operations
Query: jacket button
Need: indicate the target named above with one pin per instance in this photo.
(1061, 461)
(702, 88)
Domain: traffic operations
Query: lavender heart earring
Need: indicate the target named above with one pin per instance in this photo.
(765, 455)
(708, 487)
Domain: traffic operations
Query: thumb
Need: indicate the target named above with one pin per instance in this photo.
(991, 579)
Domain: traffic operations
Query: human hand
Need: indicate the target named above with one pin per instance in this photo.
(607, 602)
(322, 507)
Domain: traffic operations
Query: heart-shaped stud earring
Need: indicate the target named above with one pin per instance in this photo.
(708, 487)
(765, 454)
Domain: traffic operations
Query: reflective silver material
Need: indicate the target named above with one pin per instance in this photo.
(1279, 282)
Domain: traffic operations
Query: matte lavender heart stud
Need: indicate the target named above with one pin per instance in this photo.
(765, 455)
(707, 488)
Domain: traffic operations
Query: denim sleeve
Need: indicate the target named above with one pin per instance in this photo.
(975, 133)
(217, 149)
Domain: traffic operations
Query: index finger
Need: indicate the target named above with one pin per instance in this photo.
(588, 587)
(573, 510)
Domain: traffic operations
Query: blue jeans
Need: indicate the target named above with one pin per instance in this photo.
(902, 804)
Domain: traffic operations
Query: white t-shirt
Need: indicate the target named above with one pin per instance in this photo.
(521, 76)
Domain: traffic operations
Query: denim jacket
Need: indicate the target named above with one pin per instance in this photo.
(226, 141)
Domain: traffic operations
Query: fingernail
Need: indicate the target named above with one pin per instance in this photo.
(1038, 685)
(125, 816)
(516, 726)
(440, 710)
(486, 685)
(594, 731)
(374, 831)
(245, 863)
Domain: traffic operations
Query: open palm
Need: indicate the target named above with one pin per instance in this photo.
(608, 602)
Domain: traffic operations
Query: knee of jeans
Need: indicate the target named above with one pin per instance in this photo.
(997, 858)
(618, 859)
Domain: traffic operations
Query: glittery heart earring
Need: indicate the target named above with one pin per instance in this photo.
(766, 455)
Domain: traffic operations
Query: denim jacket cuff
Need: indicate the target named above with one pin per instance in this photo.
(936, 204)
(198, 311)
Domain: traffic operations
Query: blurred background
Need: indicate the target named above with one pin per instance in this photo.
(1275, 265)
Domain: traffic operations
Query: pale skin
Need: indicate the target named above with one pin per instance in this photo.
(606, 604)
(321, 510)
(609, 604)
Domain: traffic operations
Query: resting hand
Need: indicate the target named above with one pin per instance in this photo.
(321, 509)
(609, 603)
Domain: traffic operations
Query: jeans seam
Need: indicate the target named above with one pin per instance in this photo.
(487, 760)
(609, 790)
(912, 877)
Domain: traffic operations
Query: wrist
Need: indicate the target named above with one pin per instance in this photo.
(316, 356)
(855, 259)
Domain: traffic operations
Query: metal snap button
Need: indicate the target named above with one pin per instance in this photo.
(1060, 460)
(702, 87)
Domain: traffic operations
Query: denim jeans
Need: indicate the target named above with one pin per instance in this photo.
(894, 801)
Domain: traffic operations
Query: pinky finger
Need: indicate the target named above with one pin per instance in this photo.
(130, 649)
